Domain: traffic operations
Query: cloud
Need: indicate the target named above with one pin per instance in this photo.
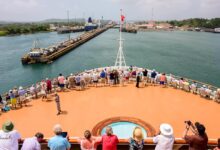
(25, 3)
(110, 9)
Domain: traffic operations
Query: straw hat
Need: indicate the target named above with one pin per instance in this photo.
(166, 129)
(7, 126)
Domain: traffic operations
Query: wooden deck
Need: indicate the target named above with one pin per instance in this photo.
(84, 109)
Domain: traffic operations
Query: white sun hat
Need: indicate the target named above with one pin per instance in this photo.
(20, 88)
(166, 129)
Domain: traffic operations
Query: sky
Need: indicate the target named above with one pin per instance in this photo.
(37, 10)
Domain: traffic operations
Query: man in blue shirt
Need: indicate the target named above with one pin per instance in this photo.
(103, 74)
(153, 75)
(58, 142)
(77, 79)
(103, 77)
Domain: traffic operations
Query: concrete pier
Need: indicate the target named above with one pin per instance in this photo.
(66, 47)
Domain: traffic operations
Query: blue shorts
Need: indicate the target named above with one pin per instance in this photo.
(162, 82)
(61, 85)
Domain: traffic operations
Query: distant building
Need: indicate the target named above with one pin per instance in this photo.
(149, 25)
(53, 27)
(164, 26)
(184, 28)
(217, 30)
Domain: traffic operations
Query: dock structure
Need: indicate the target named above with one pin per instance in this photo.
(70, 30)
(129, 30)
(50, 54)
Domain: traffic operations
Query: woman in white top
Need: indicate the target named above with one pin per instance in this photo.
(165, 138)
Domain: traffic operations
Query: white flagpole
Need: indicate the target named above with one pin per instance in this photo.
(120, 60)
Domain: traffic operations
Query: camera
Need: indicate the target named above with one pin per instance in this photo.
(64, 134)
(188, 122)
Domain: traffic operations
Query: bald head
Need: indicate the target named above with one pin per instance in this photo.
(108, 130)
(57, 129)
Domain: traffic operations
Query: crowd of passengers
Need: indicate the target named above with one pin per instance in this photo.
(102, 77)
(164, 140)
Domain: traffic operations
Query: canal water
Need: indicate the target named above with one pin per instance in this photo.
(194, 55)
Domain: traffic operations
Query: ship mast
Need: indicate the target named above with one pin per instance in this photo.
(36, 44)
(120, 60)
(68, 19)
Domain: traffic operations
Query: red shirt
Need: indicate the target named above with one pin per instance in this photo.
(197, 142)
(109, 142)
(49, 85)
(163, 78)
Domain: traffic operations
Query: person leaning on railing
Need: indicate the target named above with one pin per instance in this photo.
(217, 96)
(33, 143)
(152, 76)
(137, 141)
(13, 99)
(218, 146)
(1, 102)
(71, 80)
(58, 142)
(197, 141)
(89, 142)
(163, 80)
(0, 98)
(194, 87)
(22, 93)
(165, 138)
(49, 86)
(109, 141)
(9, 137)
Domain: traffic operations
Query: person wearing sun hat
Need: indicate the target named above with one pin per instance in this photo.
(137, 141)
(165, 138)
(9, 138)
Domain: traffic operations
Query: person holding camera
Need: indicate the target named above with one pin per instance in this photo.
(199, 140)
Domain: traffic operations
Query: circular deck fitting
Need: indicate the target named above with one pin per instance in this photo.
(97, 130)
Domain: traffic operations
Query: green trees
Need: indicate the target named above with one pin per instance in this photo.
(23, 28)
(197, 22)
